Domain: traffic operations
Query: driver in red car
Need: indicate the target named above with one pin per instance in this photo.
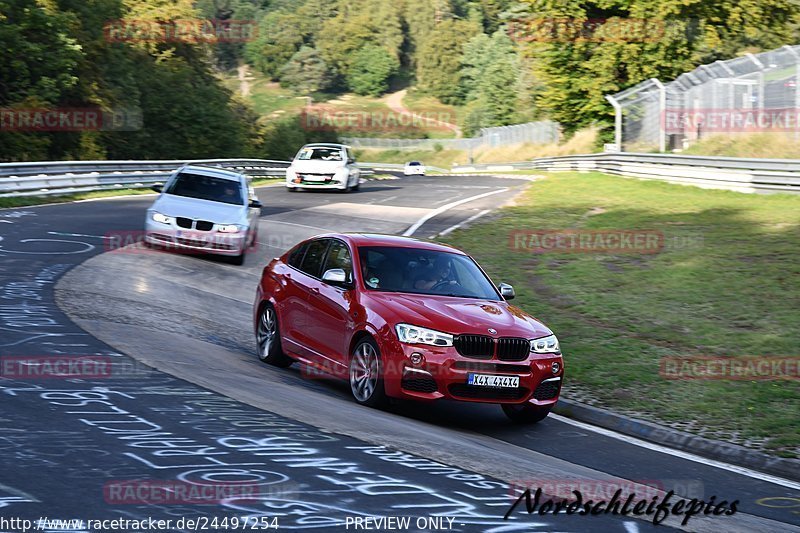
(441, 272)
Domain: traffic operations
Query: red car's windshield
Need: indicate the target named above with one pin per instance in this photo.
(419, 271)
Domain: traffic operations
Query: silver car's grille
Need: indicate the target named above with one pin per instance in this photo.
(188, 223)
(184, 222)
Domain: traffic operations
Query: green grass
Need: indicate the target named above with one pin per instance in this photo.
(62, 198)
(768, 145)
(38, 200)
(431, 107)
(724, 285)
(443, 158)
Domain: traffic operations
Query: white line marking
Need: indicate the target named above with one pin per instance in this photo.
(390, 198)
(78, 235)
(270, 221)
(467, 221)
(678, 453)
(631, 527)
(439, 210)
(89, 247)
(445, 200)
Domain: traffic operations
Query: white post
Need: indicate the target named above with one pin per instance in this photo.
(617, 121)
(662, 118)
(796, 87)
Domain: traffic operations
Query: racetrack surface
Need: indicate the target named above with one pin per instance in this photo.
(186, 322)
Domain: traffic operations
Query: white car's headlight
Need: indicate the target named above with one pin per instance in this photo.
(416, 335)
(228, 228)
(547, 344)
(163, 219)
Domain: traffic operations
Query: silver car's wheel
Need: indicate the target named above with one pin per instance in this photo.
(268, 339)
(366, 382)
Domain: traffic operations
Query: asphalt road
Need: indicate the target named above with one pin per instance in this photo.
(195, 404)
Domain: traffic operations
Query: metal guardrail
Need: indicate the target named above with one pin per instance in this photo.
(732, 173)
(68, 177)
(395, 167)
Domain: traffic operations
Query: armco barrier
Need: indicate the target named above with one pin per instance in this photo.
(67, 177)
(732, 173)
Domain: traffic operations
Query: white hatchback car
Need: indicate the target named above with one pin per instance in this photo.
(204, 210)
(323, 166)
(414, 168)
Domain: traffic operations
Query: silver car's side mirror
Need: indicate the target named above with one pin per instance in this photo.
(335, 275)
(507, 291)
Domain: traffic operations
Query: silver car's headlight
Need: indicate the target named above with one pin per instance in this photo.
(409, 334)
(228, 228)
(547, 344)
(163, 219)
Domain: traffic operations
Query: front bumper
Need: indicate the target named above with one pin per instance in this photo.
(207, 242)
(336, 182)
(444, 374)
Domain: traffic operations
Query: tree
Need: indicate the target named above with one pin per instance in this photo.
(439, 60)
(579, 67)
(359, 23)
(371, 68)
(306, 72)
(276, 43)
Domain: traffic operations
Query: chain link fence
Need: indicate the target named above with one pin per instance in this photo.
(544, 132)
(754, 93)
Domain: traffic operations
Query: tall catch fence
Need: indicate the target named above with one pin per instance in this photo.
(544, 132)
(753, 93)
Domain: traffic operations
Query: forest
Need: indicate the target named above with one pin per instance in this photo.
(501, 61)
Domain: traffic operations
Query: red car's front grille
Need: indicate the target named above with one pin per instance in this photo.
(463, 390)
(477, 346)
(513, 349)
(483, 347)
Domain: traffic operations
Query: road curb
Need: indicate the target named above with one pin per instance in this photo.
(680, 440)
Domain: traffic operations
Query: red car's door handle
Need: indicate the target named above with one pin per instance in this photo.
(315, 290)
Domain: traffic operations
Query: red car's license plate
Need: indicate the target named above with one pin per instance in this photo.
(489, 380)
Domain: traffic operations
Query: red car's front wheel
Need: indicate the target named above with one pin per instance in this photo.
(525, 413)
(366, 381)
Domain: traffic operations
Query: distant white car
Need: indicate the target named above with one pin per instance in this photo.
(323, 166)
(414, 168)
(204, 209)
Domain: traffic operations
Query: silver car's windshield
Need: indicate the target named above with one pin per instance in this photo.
(418, 271)
(206, 188)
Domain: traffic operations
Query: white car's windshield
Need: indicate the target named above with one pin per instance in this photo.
(320, 154)
(206, 188)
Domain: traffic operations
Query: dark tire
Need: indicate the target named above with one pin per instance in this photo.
(268, 338)
(525, 413)
(366, 380)
(357, 185)
(237, 260)
(292, 189)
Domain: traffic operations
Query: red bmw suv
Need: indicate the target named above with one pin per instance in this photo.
(404, 318)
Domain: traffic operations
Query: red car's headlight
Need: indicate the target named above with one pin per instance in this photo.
(547, 344)
(416, 335)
